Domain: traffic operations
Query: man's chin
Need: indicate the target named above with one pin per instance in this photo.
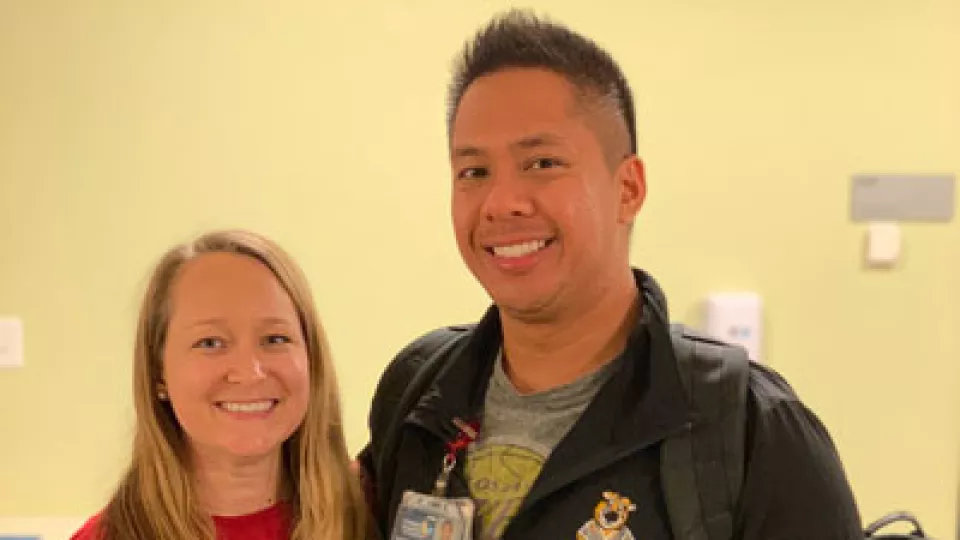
(527, 308)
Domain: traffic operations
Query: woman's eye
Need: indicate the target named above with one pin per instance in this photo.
(209, 343)
(277, 339)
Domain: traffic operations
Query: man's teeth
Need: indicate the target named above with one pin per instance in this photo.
(249, 407)
(519, 250)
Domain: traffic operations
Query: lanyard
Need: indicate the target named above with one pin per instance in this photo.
(467, 433)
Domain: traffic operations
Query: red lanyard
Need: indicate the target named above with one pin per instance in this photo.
(468, 433)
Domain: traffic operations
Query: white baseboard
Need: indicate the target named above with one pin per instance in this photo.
(43, 528)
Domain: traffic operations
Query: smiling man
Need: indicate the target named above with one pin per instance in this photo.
(573, 409)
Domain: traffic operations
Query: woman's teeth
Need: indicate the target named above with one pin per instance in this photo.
(247, 407)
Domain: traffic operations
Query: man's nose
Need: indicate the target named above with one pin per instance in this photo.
(508, 197)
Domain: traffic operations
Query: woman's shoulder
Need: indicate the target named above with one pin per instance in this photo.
(90, 530)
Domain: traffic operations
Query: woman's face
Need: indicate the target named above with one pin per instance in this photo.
(235, 364)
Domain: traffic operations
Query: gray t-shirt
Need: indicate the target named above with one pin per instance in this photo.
(517, 434)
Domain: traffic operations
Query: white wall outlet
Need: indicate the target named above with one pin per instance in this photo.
(736, 318)
(883, 244)
(11, 342)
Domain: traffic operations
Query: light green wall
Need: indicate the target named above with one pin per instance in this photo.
(127, 126)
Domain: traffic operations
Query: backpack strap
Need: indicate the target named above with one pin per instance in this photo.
(421, 361)
(702, 467)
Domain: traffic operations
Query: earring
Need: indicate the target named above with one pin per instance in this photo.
(162, 394)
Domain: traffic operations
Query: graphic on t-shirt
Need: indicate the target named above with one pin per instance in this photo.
(609, 519)
(500, 475)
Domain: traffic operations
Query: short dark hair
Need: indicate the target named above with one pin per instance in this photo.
(520, 39)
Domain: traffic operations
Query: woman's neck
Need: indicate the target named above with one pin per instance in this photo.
(231, 486)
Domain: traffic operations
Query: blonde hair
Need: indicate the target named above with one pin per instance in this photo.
(156, 498)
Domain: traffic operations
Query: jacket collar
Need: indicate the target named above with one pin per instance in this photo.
(643, 399)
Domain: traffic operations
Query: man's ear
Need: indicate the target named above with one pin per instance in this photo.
(632, 181)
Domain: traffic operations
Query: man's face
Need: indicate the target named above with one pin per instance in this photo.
(540, 213)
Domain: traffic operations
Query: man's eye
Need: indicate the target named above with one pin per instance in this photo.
(472, 173)
(277, 339)
(545, 163)
(209, 343)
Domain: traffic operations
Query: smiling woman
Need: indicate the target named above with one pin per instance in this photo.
(238, 417)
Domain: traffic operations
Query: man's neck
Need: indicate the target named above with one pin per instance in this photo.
(541, 356)
(236, 487)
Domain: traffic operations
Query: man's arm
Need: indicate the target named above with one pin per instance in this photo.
(795, 487)
(386, 409)
(382, 408)
(363, 468)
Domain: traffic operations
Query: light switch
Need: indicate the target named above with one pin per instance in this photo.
(736, 317)
(11, 342)
(883, 244)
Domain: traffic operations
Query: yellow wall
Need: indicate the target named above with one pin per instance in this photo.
(127, 126)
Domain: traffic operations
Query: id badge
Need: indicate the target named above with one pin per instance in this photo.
(430, 517)
(437, 517)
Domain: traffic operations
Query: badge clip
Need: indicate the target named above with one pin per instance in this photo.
(467, 434)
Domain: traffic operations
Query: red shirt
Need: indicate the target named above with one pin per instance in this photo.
(271, 523)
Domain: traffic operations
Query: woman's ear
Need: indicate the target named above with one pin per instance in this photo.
(162, 394)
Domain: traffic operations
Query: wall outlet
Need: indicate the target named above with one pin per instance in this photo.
(736, 318)
(11, 342)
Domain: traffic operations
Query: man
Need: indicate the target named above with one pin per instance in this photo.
(573, 381)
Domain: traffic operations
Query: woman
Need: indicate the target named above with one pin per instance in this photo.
(238, 431)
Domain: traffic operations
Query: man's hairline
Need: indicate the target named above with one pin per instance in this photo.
(588, 101)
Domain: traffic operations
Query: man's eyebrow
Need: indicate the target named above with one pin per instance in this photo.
(537, 140)
(467, 151)
(527, 142)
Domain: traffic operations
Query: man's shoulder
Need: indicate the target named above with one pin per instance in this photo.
(405, 365)
(778, 417)
(793, 468)
(769, 390)
(764, 385)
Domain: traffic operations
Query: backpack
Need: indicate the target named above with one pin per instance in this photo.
(872, 530)
(701, 468)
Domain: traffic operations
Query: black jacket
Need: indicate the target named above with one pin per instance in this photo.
(794, 485)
